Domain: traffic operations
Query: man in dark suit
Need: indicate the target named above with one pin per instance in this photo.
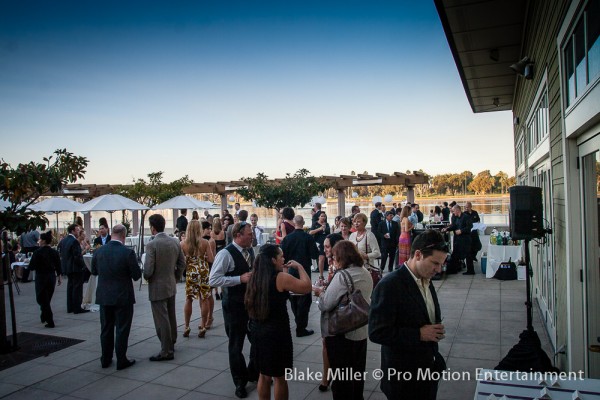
(405, 318)
(389, 231)
(72, 265)
(182, 222)
(231, 271)
(163, 267)
(375, 218)
(461, 243)
(301, 247)
(103, 236)
(116, 266)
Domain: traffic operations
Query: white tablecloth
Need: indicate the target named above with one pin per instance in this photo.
(89, 297)
(499, 254)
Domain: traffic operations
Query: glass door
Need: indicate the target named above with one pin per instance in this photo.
(590, 168)
(542, 255)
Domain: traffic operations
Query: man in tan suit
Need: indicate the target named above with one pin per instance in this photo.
(163, 268)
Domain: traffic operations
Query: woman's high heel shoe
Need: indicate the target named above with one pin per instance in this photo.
(186, 332)
(323, 388)
(202, 332)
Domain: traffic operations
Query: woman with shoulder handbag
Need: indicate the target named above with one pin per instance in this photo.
(346, 351)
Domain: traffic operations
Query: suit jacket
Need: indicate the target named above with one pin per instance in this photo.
(301, 247)
(462, 242)
(181, 223)
(394, 232)
(71, 259)
(375, 219)
(163, 267)
(98, 240)
(398, 311)
(116, 266)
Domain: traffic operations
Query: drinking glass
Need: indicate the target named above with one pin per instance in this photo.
(318, 284)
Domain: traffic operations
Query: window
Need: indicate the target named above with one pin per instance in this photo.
(538, 125)
(520, 153)
(581, 53)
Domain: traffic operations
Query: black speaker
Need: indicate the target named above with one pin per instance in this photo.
(526, 215)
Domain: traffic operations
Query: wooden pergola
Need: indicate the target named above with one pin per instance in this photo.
(223, 189)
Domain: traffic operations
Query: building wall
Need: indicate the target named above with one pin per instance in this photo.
(544, 18)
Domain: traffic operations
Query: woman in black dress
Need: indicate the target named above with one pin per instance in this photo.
(45, 261)
(266, 297)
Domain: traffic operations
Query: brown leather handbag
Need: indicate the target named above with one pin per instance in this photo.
(352, 312)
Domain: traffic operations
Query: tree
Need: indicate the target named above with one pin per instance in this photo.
(502, 181)
(291, 191)
(482, 183)
(21, 186)
(153, 192)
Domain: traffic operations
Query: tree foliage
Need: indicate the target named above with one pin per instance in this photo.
(154, 191)
(291, 191)
(24, 184)
(482, 183)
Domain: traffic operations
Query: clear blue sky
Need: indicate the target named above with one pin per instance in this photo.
(219, 90)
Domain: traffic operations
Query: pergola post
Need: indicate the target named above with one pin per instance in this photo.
(174, 219)
(342, 202)
(136, 222)
(410, 194)
(223, 202)
(87, 223)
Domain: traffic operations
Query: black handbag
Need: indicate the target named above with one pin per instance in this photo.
(507, 271)
(352, 312)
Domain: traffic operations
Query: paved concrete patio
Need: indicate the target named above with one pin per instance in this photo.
(483, 319)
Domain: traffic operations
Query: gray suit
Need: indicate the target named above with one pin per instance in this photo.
(116, 266)
(162, 269)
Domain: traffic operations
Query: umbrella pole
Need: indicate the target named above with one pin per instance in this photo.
(56, 234)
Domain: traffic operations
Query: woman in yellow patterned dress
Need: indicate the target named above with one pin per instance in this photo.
(198, 255)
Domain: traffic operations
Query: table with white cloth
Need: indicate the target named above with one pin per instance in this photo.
(89, 297)
(499, 254)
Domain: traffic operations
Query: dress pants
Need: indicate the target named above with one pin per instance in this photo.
(74, 291)
(236, 328)
(112, 317)
(388, 253)
(163, 312)
(346, 356)
(44, 289)
(301, 307)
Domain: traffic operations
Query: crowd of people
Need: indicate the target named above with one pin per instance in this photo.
(224, 257)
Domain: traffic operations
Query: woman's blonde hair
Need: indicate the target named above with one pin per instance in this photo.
(361, 216)
(193, 239)
(217, 227)
(406, 211)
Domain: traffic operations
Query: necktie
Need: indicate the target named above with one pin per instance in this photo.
(388, 224)
(254, 242)
(246, 255)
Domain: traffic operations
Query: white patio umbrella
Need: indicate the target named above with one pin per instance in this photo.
(182, 202)
(111, 203)
(56, 205)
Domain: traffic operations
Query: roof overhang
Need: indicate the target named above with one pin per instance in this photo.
(485, 37)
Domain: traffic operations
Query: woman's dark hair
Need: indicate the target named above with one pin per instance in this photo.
(288, 213)
(256, 299)
(46, 237)
(346, 254)
(437, 210)
(206, 225)
(334, 238)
